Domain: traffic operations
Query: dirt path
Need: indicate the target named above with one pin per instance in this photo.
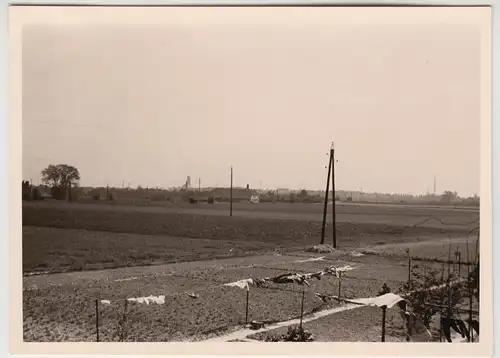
(425, 242)
(243, 333)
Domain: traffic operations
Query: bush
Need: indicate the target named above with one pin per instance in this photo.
(321, 249)
(423, 279)
(294, 334)
(385, 289)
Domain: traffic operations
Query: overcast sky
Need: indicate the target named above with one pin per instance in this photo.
(152, 104)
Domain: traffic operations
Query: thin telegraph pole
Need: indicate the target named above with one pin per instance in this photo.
(408, 338)
(409, 269)
(340, 280)
(449, 261)
(124, 320)
(246, 313)
(469, 284)
(441, 299)
(469, 290)
(449, 285)
(325, 209)
(97, 319)
(459, 264)
(231, 194)
(332, 160)
(477, 248)
(384, 309)
(302, 308)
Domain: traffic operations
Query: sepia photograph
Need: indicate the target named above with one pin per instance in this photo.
(254, 174)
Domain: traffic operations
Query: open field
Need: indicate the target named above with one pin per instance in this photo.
(114, 252)
(54, 250)
(391, 215)
(60, 236)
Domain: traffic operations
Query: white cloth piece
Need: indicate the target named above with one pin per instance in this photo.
(312, 259)
(243, 284)
(147, 300)
(333, 270)
(105, 302)
(389, 299)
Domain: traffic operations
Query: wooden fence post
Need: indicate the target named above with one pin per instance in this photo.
(97, 319)
(384, 309)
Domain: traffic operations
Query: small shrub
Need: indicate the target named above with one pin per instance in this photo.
(294, 334)
(96, 197)
(321, 249)
(384, 290)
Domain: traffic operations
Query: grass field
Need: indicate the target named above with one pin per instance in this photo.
(65, 237)
(113, 252)
(396, 215)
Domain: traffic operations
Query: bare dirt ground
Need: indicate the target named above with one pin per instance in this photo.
(88, 242)
(403, 215)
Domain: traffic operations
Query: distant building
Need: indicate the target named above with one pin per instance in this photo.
(283, 191)
(254, 199)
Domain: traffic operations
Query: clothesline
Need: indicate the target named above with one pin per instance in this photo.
(301, 279)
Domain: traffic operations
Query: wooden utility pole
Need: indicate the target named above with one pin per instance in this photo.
(325, 209)
(231, 194)
(340, 281)
(384, 310)
(302, 308)
(409, 269)
(469, 286)
(441, 300)
(334, 223)
(246, 313)
(448, 313)
(97, 320)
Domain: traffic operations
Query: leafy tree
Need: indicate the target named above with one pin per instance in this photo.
(61, 177)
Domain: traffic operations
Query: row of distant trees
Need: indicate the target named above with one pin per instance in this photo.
(62, 179)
